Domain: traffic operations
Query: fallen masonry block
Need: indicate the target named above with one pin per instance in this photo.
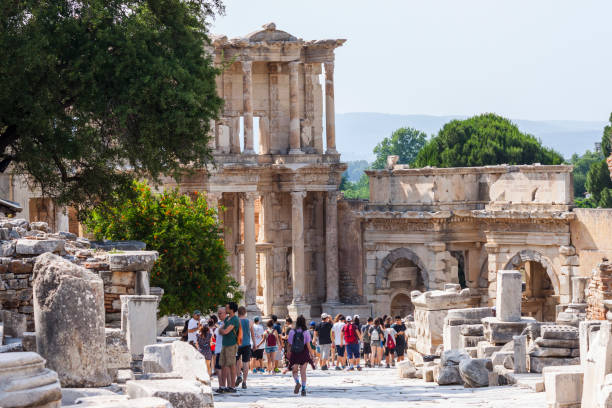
(180, 393)
(121, 401)
(475, 372)
(563, 385)
(537, 364)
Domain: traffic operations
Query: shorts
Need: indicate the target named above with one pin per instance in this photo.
(245, 353)
(258, 354)
(399, 351)
(228, 356)
(318, 349)
(389, 351)
(325, 351)
(352, 350)
(271, 349)
(376, 343)
(367, 349)
(340, 351)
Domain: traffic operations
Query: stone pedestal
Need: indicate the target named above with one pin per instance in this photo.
(139, 322)
(498, 332)
(69, 319)
(430, 310)
(563, 386)
(25, 382)
(520, 354)
(509, 295)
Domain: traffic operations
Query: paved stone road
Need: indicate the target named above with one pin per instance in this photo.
(371, 388)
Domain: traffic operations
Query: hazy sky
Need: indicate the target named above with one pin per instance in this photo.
(535, 59)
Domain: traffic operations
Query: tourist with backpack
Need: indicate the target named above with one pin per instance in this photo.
(300, 353)
(338, 340)
(232, 336)
(390, 345)
(271, 341)
(377, 335)
(352, 336)
(400, 339)
(243, 357)
(323, 339)
(367, 347)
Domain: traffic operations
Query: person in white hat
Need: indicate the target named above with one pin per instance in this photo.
(323, 339)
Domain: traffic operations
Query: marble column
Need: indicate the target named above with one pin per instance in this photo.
(294, 109)
(247, 100)
(298, 304)
(234, 124)
(264, 135)
(250, 260)
(212, 199)
(331, 249)
(330, 112)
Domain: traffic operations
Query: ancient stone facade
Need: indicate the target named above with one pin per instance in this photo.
(279, 199)
(600, 290)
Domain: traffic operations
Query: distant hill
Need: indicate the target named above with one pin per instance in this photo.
(358, 133)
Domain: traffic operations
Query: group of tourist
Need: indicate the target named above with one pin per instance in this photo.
(234, 345)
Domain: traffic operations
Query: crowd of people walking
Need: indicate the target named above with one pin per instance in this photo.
(235, 346)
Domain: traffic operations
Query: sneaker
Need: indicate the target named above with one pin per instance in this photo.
(261, 370)
(231, 390)
(358, 368)
(338, 368)
(350, 369)
(324, 368)
(277, 370)
(238, 381)
(388, 366)
(244, 387)
(254, 371)
(303, 392)
(297, 388)
(220, 390)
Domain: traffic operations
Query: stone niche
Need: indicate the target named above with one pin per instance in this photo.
(430, 310)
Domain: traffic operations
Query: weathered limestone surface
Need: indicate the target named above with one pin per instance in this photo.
(406, 369)
(139, 322)
(37, 247)
(475, 372)
(520, 354)
(25, 382)
(498, 332)
(117, 353)
(157, 358)
(14, 323)
(189, 363)
(132, 261)
(597, 366)
(180, 393)
(69, 317)
(509, 292)
(563, 385)
(121, 401)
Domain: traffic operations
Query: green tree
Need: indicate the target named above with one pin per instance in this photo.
(359, 190)
(483, 140)
(192, 267)
(405, 142)
(90, 89)
(597, 180)
(606, 139)
(582, 164)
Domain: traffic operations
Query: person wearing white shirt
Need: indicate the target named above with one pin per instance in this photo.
(192, 328)
(338, 340)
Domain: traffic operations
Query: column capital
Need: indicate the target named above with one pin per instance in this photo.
(329, 66)
(249, 197)
(293, 66)
(333, 195)
(247, 66)
(274, 67)
(297, 195)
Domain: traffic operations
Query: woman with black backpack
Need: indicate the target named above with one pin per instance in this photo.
(300, 353)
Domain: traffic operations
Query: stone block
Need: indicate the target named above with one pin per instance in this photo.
(69, 318)
(470, 313)
(139, 322)
(121, 401)
(449, 375)
(157, 358)
(7, 248)
(563, 385)
(162, 323)
(604, 397)
(498, 332)
(557, 343)
(472, 330)
(537, 364)
(122, 278)
(597, 365)
(509, 296)
(428, 374)
(117, 353)
(132, 261)
(70, 396)
(519, 361)
(124, 375)
(14, 323)
(180, 393)
(475, 372)
(453, 357)
(451, 337)
(486, 350)
(25, 382)
(555, 332)
(470, 341)
(498, 357)
(405, 369)
(586, 332)
(37, 246)
(108, 245)
(189, 363)
(28, 341)
(538, 351)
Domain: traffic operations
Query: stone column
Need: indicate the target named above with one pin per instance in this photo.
(250, 255)
(509, 296)
(294, 111)
(520, 354)
(331, 249)
(212, 198)
(264, 135)
(234, 124)
(330, 112)
(247, 100)
(298, 304)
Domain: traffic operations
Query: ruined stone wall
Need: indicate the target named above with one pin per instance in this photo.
(350, 251)
(600, 289)
(590, 235)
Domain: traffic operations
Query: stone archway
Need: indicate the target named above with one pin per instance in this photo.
(534, 256)
(394, 256)
(541, 285)
(401, 304)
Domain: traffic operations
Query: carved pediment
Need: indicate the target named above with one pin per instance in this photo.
(270, 34)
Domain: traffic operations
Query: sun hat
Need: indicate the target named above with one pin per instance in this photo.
(313, 323)
(324, 316)
(197, 312)
(349, 319)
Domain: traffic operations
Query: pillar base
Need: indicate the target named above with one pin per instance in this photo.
(331, 151)
(249, 152)
(296, 309)
(296, 151)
